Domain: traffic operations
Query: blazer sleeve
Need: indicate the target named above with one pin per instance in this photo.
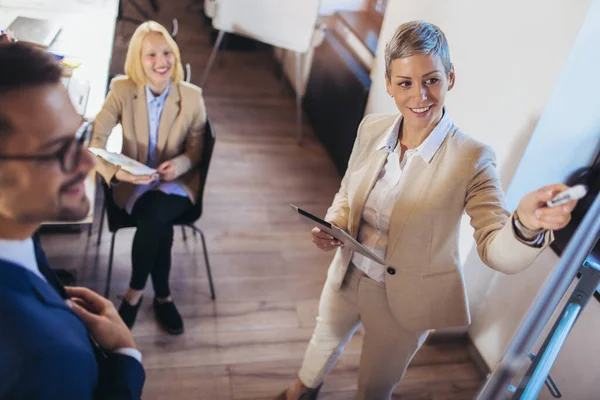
(339, 211)
(50, 376)
(121, 378)
(497, 243)
(194, 141)
(108, 117)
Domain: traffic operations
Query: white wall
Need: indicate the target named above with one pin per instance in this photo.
(508, 57)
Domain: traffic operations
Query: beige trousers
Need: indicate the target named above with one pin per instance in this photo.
(387, 348)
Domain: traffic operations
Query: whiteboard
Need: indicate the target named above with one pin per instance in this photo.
(288, 24)
(567, 136)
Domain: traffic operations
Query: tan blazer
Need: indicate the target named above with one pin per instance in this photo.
(427, 290)
(180, 132)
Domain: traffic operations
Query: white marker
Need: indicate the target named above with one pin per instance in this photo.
(574, 193)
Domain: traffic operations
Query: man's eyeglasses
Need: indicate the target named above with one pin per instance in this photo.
(68, 155)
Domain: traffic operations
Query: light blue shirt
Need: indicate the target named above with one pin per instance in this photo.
(155, 104)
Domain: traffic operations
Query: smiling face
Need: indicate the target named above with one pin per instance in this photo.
(419, 84)
(158, 60)
(34, 191)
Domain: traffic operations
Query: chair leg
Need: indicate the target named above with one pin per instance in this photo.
(102, 214)
(299, 88)
(208, 271)
(110, 265)
(90, 229)
(211, 60)
(183, 233)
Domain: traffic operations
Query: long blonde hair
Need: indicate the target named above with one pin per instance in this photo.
(133, 62)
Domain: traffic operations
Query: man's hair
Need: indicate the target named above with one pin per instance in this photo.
(23, 66)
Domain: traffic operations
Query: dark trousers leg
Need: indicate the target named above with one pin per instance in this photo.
(154, 214)
(162, 268)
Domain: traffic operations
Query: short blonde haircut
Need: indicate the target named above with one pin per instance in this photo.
(133, 62)
(417, 37)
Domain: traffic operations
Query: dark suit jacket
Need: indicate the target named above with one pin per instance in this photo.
(45, 350)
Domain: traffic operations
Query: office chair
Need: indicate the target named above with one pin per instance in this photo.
(119, 219)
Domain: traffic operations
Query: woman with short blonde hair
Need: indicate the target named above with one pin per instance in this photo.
(163, 121)
(409, 179)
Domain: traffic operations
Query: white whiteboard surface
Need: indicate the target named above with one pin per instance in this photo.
(288, 24)
(567, 136)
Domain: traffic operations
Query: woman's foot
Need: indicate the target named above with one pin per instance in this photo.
(299, 392)
(167, 315)
(128, 311)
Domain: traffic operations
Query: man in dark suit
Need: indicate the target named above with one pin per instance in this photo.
(55, 342)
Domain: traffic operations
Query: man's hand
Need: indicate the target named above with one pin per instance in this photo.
(100, 318)
(535, 214)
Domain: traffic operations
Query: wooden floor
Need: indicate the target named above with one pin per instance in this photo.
(249, 343)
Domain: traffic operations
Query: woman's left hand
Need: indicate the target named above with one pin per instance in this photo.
(167, 171)
(535, 214)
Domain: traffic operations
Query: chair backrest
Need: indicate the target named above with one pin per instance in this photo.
(188, 72)
(210, 138)
(288, 24)
(207, 152)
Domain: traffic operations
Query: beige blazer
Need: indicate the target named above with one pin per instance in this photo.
(180, 132)
(427, 290)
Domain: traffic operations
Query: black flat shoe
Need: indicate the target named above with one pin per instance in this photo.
(168, 317)
(128, 312)
(307, 394)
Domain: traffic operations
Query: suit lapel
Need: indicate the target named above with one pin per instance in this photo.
(367, 181)
(16, 277)
(45, 269)
(140, 123)
(168, 118)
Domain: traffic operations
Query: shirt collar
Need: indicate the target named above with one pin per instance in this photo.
(22, 253)
(151, 98)
(430, 145)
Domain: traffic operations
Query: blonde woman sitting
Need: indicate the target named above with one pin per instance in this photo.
(163, 121)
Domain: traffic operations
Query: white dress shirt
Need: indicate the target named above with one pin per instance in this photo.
(377, 213)
(22, 253)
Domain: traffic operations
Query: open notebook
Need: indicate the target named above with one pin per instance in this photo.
(127, 164)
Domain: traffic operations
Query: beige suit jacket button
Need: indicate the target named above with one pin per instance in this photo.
(391, 271)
